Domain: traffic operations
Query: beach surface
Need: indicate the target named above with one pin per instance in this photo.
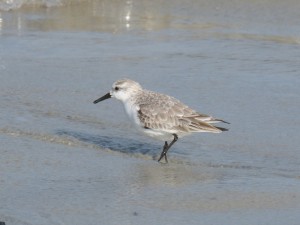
(64, 160)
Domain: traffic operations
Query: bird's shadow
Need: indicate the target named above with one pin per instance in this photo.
(114, 143)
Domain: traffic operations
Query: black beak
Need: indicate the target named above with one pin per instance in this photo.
(108, 95)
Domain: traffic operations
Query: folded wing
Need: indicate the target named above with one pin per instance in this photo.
(170, 115)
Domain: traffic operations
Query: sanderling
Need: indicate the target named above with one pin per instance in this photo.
(160, 116)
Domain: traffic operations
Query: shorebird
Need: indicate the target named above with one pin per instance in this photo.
(160, 116)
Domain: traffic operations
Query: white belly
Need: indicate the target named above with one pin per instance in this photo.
(160, 135)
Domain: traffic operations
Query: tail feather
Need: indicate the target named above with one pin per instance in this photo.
(202, 124)
(208, 119)
(221, 128)
(223, 121)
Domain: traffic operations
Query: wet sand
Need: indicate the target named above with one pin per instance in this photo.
(66, 161)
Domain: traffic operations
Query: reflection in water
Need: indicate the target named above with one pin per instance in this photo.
(1, 21)
(107, 16)
(175, 174)
(116, 16)
(12, 21)
(128, 14)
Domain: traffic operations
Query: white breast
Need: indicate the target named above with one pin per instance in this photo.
(132, 112)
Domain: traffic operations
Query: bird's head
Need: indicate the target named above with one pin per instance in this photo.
(122, 90)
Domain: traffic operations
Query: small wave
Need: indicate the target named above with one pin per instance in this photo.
(115, 145)
(39, 136)
(260, 37)
(112, 145)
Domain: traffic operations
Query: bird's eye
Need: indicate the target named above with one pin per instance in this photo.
(116, 88)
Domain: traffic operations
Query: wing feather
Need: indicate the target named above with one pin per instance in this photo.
(158, 111)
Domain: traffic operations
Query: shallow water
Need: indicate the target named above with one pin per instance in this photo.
(237, 60)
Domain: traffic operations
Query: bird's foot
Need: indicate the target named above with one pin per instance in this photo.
(163, 154)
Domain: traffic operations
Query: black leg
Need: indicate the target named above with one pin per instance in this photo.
(163, 153)
(166, 148)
